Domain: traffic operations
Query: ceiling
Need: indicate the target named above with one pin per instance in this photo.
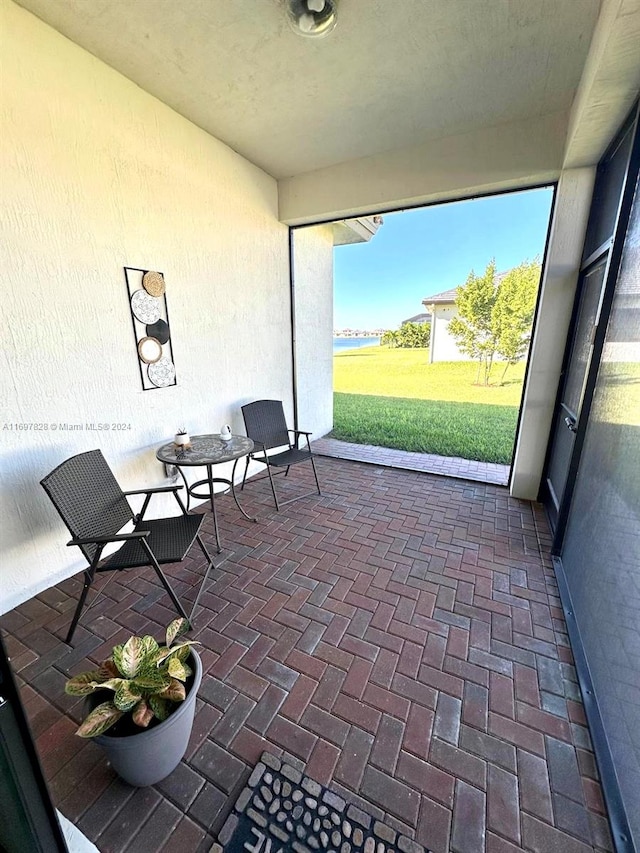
(393, 74)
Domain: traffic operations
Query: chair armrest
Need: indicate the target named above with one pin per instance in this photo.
(154, 490)
(116, 537)
(258, 445)
(297, 433)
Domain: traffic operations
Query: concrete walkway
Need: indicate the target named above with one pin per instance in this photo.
(429, 463)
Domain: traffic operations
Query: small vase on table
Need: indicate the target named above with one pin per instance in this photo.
(182, 440)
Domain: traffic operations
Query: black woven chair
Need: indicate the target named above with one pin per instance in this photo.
(94, 509)
(267, 428)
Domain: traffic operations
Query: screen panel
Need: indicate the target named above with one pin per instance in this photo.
(601, 555)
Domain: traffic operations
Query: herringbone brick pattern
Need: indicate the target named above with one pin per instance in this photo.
(401, 635)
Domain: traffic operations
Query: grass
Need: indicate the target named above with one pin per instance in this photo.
(395, 398)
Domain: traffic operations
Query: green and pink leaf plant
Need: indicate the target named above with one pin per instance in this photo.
(147, 681)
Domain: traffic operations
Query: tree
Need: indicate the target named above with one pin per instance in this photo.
(389, 338)
(512, 315)
(495, 318)
(408, 336)
(472, 329)
(413, 335)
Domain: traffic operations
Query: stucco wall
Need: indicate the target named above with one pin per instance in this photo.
(557, 292)
(517, 154)
(97, 175)
(443, 344)
(313, 279)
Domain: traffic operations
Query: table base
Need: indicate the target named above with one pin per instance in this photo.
(210, 495)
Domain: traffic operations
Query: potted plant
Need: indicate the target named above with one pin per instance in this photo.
(182, 439)
(140, 704)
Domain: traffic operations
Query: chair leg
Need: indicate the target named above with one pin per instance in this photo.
(315, 474)
(170, 592)
(88, 580)
(203, 548)
(204, 579)
(273, 488)
(163, 580)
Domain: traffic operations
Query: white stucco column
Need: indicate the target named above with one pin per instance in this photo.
(313, 289)
(557, 291)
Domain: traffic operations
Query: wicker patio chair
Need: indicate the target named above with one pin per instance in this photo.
(266, 426)
(95, 509)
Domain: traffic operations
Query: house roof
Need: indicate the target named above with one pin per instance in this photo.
(439, 70)
(449, 296)
(425, 317)
(347, 231)
(440, 298)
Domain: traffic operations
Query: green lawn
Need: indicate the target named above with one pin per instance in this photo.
(395, 398)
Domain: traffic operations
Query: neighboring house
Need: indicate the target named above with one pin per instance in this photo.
(419, 319)
(443, 307)
(443, 310)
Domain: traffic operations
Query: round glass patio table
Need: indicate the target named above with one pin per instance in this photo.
(207, 451)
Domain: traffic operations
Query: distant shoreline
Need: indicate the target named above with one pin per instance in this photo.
(344, 343)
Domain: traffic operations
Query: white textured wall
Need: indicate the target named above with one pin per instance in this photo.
(508, 156)
(557, 292)
(313, 277)
(97, 175)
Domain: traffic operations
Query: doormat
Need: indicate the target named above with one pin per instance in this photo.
(281, 809)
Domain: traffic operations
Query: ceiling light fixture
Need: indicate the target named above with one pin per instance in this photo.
(312, 18)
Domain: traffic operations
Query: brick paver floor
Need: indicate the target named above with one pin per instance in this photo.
(401, 635)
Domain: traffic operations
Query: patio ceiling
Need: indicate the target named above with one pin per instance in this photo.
(392, 75)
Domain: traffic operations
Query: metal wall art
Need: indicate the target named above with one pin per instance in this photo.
(150, 318)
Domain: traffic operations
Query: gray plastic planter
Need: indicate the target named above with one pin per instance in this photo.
(146, 758)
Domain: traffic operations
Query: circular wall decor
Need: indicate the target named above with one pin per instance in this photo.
(153, 283)
(159, 330)
(145, 308)
(162, 373)
(149, 350)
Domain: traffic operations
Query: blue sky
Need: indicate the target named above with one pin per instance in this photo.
(417, 253)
